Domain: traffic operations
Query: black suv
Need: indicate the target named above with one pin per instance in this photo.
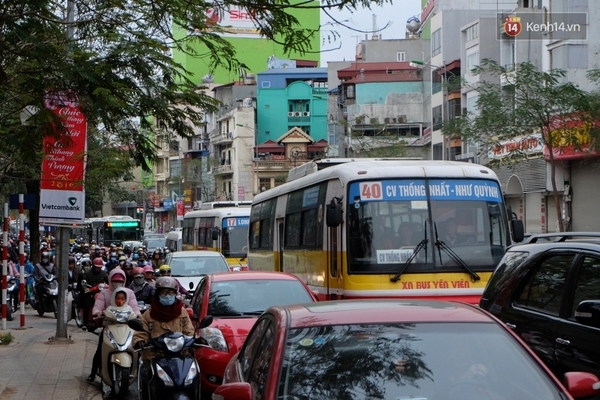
(547, 290)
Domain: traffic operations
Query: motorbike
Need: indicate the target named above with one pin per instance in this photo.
(48, 302)
(86, 295)
(119, 360)
(12, 297)
(174, 372)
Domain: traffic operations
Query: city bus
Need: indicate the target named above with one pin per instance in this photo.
(220, 229)
(339, 229)
(115, 229)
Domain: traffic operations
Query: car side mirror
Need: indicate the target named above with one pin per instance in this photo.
(234, 391)
(333, 216)
(191, 285)
(588, 313)
(518, 230)
(206, 321)
(215, 234)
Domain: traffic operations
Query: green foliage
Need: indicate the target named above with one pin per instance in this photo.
(534, 102)
(6, 338)
(531, 102)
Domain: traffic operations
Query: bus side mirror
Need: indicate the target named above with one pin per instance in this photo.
(215, 234)
(518, 230)
(333, 216)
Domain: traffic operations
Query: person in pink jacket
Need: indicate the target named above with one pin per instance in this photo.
(116, 280)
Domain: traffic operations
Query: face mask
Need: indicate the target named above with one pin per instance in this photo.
(117, 284)
(167, 300)
(139, 280)
(119, 302)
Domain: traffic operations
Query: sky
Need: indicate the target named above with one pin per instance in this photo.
(362, 20)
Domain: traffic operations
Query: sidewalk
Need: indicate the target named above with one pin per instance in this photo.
(36, 368)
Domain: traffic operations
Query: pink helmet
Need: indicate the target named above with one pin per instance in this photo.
(148, 268)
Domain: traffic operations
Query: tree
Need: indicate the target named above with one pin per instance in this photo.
(532, 103)
(114, 57)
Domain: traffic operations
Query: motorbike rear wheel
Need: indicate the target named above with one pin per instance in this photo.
(121, 384)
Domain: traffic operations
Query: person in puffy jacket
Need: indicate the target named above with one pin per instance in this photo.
(116, 280)
(142, 289)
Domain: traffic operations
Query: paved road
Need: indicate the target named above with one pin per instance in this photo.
(35, 366)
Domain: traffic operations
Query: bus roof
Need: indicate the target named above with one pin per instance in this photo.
(369, 169)
(221, 212)
(224, 204)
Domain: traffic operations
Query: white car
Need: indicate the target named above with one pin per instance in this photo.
(188, 267)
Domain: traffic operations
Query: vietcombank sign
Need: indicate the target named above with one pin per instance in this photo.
(62, 198)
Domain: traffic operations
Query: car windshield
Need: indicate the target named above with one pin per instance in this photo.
(253, 296)
(153, 243)
(425, 361)
(199, 265)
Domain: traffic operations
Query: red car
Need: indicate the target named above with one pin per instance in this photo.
(390, 349)
(235, 301)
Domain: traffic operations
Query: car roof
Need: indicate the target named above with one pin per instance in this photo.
(252, 275)
(195, 253)
(381, 311)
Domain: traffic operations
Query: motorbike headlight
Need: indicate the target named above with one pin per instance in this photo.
(174, 344)
(164, 376)
(215, 339)
(191, 374)
(116, 345)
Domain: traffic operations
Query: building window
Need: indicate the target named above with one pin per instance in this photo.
(175, 167)
(264, 184)
(350, 91)
(472, 60)
(436, 42)
(436, 82)
(436, 116)
(472, 32)
(401, 56)
(266, 84)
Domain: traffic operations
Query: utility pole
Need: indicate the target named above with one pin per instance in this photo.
(62, 260)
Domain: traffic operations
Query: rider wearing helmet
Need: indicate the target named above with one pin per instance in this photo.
(157, 259)
(142, 289)
(116, 279)
(165, 270)
(43, 269)
(166, 314)
(149, 275)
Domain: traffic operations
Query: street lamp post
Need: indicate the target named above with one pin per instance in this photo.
(446, 106)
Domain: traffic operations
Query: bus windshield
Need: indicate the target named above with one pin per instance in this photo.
(235, 236)
(453, 224)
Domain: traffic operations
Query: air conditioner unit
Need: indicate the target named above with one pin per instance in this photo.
(297, 114)
(291, 114)
(306, 114)
(389, 120)
(401, 119)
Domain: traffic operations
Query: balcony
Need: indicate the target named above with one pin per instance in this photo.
(303, 120)
(223, 169)
(223, 138)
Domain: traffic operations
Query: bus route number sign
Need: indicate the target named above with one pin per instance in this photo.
(371, 191)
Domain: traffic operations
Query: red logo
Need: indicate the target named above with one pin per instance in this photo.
(213, 16)
(512, 26)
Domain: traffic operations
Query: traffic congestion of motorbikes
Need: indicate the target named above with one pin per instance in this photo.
(110, 288)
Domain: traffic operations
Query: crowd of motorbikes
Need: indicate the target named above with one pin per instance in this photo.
(172, 374)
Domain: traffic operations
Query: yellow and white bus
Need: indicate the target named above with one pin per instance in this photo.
(385, 228)
(220, 229)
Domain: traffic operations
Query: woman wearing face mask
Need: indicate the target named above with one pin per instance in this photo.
(166, 314)
(116, 279)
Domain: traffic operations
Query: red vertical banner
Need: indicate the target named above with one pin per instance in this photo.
(180, 211)
(62, 196)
